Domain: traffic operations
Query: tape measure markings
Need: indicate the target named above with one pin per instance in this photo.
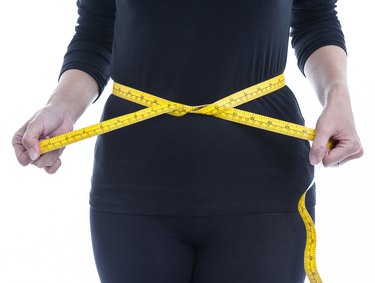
(103, 127)
(310, 248)
(267, 123)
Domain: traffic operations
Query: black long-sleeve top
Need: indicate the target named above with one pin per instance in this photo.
(196, 52)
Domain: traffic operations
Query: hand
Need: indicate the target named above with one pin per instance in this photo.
(337, 123)
(48, 122)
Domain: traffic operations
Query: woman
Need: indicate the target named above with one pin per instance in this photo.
(196, 198)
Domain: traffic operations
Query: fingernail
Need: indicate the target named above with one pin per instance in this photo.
(33, 155)
(314, 160)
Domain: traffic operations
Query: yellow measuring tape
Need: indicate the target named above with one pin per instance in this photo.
(223, 109)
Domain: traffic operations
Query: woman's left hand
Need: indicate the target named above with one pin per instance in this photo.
(336, 123)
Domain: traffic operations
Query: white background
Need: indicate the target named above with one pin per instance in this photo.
(44, 224)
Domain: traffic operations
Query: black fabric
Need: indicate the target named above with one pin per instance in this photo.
(314, 24)
(261, 248)
(196, 52)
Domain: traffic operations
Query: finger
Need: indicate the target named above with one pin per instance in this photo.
(48, 159)
(19, 149)
(30, 140)
(319, 147)
(54, 167)
(342, 153)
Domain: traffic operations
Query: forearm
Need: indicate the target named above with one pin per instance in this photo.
(75, 91)
(326, 69)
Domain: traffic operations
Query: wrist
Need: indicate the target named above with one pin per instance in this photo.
(74, 93)
(337, 95)
(63, 103)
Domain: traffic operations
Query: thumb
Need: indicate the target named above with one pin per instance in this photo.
(319, 147)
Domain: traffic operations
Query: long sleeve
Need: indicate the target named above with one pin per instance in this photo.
(314, 25)
(91, 47)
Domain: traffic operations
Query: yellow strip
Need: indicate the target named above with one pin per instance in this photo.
(223, 109)
(310, 248)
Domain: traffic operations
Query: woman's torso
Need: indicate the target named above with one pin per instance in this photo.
(196, 52)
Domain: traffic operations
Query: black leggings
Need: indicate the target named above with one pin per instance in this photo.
(253, 248)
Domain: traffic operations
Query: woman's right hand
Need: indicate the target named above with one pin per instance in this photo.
(75, 91)
(50, 121)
